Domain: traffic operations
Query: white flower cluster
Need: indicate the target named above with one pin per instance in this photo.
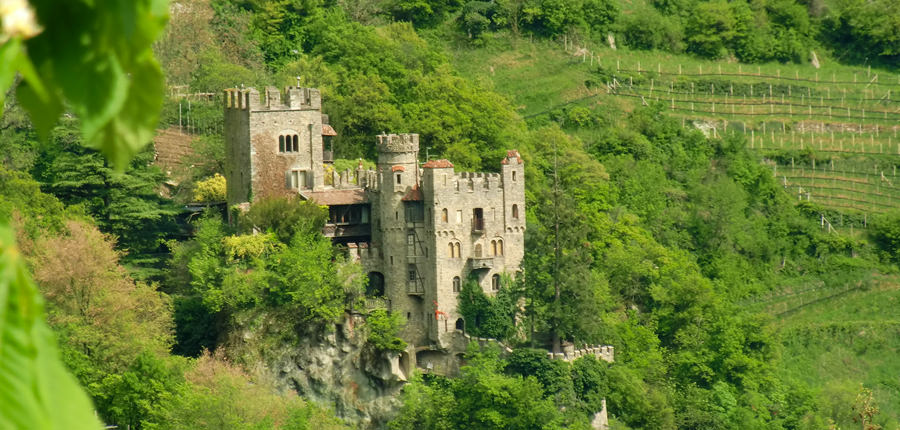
(17, 18)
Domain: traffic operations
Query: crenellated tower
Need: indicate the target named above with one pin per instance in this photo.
(273, 146)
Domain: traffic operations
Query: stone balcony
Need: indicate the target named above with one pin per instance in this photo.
(481, 263)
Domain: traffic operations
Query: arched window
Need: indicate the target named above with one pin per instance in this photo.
(444, 215)
(493, 247)
(296, 144)
(458, 254)
(495, 282)
(499, 247)
(452, 250)
(515, 211)
(456, 284)
(477, 250)
(460, 324)
(514, 176)
(280, 143)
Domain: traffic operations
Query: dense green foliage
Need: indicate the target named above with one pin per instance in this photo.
(384, 329)
(291, 268)
(489, 316)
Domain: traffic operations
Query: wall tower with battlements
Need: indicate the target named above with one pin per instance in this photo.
(273, 146)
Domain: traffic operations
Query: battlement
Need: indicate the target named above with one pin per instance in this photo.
(477, 181)
(570, 354)
(405, 142)
(364, 251)
(294, 99)
(349, 179)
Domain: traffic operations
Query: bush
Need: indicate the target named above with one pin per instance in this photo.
(384, 330)
(648, 29)
(210, 190)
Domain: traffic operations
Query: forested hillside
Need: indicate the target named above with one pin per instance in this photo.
(720, 290)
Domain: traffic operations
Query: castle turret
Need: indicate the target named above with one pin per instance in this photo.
(398, 161)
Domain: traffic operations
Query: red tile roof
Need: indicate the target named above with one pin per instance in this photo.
(512, 153)
(337, 197)
(327, 130)
(438, 164)
(413, 195)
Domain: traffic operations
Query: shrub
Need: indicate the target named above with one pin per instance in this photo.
(210, 189)
(384, 328)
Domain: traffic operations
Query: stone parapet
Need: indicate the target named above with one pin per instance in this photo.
(407, 142)
(364, 252)
(600, 352)
(295, 99)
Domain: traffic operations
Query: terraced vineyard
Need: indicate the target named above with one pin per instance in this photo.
(837, 115)
(810, 118)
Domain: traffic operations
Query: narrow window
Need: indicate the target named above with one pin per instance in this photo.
(280, 143)
(408, 316)
(295, 179)
(515, 211)
(456, 284)
(392, 260)
(457, 185)
(493, 247)
(411, 270)
(397, 215)
(398, 179)
(495, 282)
(444, 215)
(499, 247)
(296, 144)
(445, 179)
(478, 219)
(458, 254)
(410, 239)
(514, 176)
(452, 249)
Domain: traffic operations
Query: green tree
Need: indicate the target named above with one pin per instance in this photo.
(125, 202)
(384, 329)
(488, 316)
(710, 29)
(95, 56)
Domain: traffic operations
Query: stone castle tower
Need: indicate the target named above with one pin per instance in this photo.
(419, 229)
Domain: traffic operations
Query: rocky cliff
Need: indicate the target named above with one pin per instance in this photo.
(332, 366)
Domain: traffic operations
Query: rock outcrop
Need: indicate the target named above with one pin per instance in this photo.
(332, 366)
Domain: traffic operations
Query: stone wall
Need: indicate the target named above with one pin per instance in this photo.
(570, 354)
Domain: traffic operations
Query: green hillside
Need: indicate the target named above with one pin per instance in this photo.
(835, 335)
(830, 135)
(840, 342)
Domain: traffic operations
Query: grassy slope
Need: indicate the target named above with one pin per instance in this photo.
(835, 344)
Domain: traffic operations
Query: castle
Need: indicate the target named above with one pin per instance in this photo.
(419, 229)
